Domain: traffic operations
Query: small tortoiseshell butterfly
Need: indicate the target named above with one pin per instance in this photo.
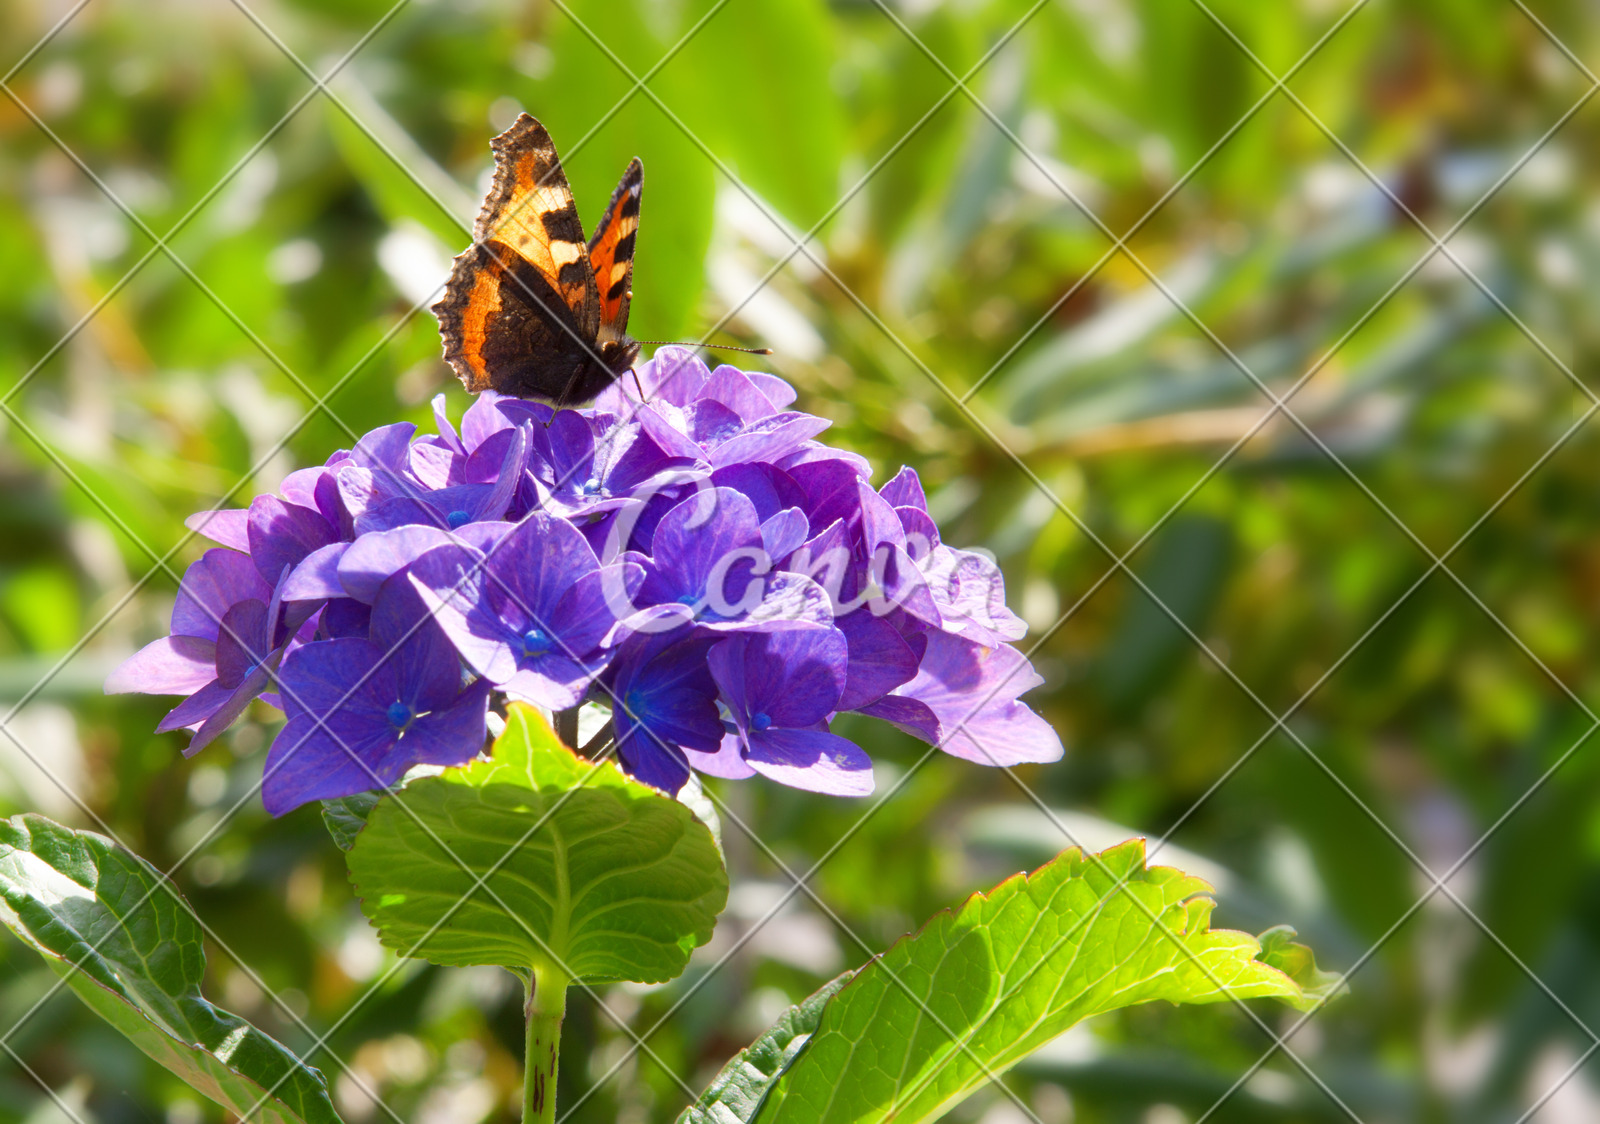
(531, 309)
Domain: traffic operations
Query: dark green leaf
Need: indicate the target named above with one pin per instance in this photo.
(132, 951)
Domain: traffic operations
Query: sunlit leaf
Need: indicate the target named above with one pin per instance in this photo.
(603, 877)
(980, 988)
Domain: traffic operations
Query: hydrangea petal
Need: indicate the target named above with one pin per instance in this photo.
(173, 665)
(228, 526)
(813, 760)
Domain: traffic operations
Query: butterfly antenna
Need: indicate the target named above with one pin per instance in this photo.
(708, 346)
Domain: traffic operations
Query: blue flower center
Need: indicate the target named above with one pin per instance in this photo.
(760, 720)
(399, 715)
(688, 599)
(535, 642)
(591, 486)
(456, 518)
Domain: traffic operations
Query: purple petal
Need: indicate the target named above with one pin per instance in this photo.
(879, 659)
(665, 425)
(707, 539)
(386, 448)
(905, 490)
(317, 576)
(795, 676)
(967, 693)
(728, 761)
(777, 391)
(447, 432)
(674, 374)
(813, 760)
(230, 527)
(770, 489)
(730, 387)
(372, 558)
(232, 706)
(814, 452)
(970, 593)
(769, 439)
(306, 763)
(173, 665)
(242, 643)
(451, 735)
(210, 586)
(831, 491)
(921, 533)
(433, 466)
(782, 534)
(426, 667)
(482, 419)
(345, 616)
(664, 682)
(195, 709)
(553, 681)
(345, 679)
(282, 534)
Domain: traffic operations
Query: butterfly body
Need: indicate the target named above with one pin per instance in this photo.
(531, 308)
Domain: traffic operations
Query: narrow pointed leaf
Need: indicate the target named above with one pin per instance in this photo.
(583, 868)
(131, 949)
(980, 988)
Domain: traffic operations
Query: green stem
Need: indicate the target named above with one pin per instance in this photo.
(547, 1004)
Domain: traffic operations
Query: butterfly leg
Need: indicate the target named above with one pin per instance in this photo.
(566, 396)
(634, 371)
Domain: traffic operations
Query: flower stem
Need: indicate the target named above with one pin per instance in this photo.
(547, 1004)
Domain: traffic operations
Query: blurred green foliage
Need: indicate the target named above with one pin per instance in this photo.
(949, 260)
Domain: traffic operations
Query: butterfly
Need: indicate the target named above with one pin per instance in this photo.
(531, 309)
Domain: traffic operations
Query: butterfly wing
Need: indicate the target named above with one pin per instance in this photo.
(521, 308)
(611, 249)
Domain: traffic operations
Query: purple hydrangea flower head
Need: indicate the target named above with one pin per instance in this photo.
(364, 710)
(695, 558)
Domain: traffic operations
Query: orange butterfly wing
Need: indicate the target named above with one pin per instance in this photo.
(525, 287)
(611, 249)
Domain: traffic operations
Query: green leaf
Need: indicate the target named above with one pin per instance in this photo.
(346, 816)
(605, 877)
(738, 1091)
(80, 900)
(1012, 969)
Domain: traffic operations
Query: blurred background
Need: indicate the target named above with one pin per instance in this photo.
(962, 306)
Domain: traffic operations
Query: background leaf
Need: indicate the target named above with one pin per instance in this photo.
(605, 878)
(131, 950)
